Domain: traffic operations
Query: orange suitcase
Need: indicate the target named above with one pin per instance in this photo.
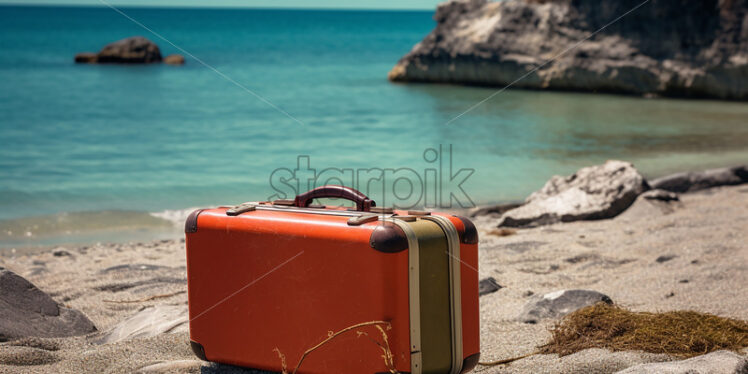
(287, 285)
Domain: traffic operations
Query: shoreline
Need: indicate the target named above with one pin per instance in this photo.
(176, 217)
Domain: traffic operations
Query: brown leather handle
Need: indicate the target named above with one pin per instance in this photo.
(363, 203)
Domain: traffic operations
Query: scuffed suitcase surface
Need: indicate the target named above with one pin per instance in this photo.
(306, 282)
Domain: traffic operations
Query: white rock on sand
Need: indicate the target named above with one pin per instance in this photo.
(558, 304)
(593, 192)
(703, 237)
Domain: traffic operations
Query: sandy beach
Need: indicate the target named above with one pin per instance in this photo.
(604, 142)
(684, 255)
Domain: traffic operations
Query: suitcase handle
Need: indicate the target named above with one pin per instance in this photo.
(363, 203)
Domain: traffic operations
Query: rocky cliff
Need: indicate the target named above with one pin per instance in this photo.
(688, 48)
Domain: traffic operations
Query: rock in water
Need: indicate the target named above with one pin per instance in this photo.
(594, 192)
(559, 303)
(132, 50)
(136, 49)
(669, 48)
(86, 58)
(719, 362)
(174, 60)
(148, 322)
(27, 311)
(694, 181)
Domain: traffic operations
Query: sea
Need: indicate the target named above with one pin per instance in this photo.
(272, 102)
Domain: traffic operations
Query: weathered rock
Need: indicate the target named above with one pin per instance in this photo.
(151, 321)
(27, 311)
(694, 181)
(650, 204)
(559, 303)
(487, 286)
(668, 48)
(594, 192)
(719, 362)
(136, 49)
(132, 50)
(174, 60)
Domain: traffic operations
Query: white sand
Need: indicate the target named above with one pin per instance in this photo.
(707, 233)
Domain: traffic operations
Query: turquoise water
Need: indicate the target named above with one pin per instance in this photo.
(120, 141)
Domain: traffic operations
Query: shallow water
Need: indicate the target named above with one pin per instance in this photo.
(130, 140)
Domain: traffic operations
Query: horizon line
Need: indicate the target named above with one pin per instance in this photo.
(165, 6)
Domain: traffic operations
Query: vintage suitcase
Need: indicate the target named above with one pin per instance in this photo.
(288, 285)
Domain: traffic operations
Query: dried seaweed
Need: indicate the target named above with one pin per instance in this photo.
(678, 333)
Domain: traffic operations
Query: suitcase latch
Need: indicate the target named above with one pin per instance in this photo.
(381, 210)
(419, 213)
(360, 220)
(241, 208)
(406, 218)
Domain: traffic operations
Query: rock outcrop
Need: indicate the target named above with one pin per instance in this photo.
(594, 192)
(27, 311)
(559, 303)
(695, 181)
(695, 48)
(132, 50)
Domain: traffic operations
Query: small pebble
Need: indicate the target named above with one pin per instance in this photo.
(664, 258)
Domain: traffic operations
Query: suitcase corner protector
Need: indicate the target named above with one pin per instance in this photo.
(198, 349)
(190, 225)
(470, 362)
(470, 235)
(389, 238)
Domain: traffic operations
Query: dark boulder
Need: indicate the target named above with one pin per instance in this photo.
(136, 49)
(27, 311)
(132, 50)
(660, 195)
(694, 181)
(488, 285)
